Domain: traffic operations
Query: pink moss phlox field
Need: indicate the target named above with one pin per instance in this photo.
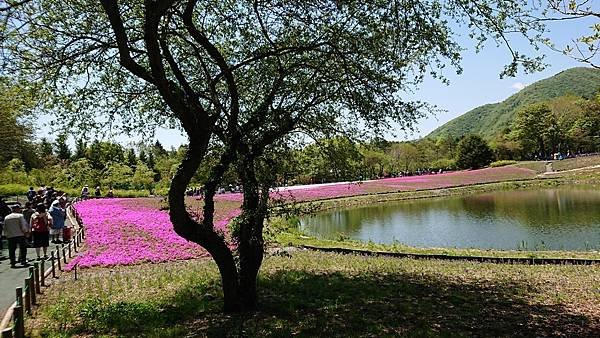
(450, 179)
(407, 183)
(305, 194)
(118, 232)
(131, 231)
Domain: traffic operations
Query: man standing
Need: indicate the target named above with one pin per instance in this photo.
(27, 213)
(16, 228)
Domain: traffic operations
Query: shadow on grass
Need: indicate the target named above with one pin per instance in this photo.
(296, 302)
(300, 303)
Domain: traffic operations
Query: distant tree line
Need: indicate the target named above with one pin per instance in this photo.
(98, 163)
(567, 125)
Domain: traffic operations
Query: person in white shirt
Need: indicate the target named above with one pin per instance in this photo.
(16, 229)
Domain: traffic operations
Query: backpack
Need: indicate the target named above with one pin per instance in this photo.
(39, 224)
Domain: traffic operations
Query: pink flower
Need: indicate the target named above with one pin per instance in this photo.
(123, 232)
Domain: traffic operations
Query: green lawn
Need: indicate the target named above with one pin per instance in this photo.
(317, 294)
(577, 162)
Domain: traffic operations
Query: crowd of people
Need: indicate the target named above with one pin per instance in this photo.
(41, 221)
(199, 191)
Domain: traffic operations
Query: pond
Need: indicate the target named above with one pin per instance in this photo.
(545, 219)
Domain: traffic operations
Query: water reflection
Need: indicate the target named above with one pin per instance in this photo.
(565, 218)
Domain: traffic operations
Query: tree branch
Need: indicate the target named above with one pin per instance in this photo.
(111, 9)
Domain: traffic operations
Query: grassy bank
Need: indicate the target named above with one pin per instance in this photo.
(317, 294)
(575, 163)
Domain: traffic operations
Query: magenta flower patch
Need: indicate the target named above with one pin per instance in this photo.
(119, 232)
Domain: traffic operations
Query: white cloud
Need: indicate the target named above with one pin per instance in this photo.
(519, 85)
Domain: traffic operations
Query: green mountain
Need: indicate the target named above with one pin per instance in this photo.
(490, 119)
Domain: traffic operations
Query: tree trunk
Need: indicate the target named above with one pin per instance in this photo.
(251, 243)
(203, 233)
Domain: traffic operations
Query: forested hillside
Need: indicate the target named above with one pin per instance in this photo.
(490, 119)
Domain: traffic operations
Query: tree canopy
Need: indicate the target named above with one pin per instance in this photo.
(245, 74)
(16, 132)
(473, 153)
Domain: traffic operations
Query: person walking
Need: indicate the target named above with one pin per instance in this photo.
(27, 213)
(85, 192)
(16, 229)
(59, 216)
(41, 224)
(97, 193)
(30, 195)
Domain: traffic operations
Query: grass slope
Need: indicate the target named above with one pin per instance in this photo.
(310, 294)
(489, 119)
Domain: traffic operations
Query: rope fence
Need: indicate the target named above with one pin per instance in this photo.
(26, 296)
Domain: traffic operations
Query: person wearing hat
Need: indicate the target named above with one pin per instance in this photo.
(85, 192)
(16, 229)
(59, 215)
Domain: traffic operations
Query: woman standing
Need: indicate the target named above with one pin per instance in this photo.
(41, 223)
(58, 215)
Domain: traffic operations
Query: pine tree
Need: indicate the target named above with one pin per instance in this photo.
(143, 157)
(45, 148)
(80, 149)
(61, 147)
(131, 159)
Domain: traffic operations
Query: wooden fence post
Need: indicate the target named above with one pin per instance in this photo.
(19, 322)
(43, 272)
(27, 296)
(58, 258)
(36, 277)
(7, 333)
(52, 262)
(32, 286)
(19, 296)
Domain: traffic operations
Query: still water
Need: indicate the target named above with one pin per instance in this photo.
(543, 219)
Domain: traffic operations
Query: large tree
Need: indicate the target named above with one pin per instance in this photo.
(472, 152)
(244, 74)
